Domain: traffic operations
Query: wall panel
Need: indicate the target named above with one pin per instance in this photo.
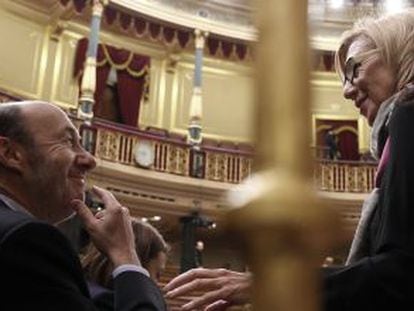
(64, 86)
(23, 55)
(227, 102)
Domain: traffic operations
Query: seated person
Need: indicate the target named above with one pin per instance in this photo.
(43, 171)
(151, 249)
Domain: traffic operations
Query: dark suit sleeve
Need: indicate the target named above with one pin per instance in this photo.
(40, 268)
(379, 282)
(39, 271)
(135, 291)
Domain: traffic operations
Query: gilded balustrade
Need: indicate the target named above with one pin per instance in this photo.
(227, 165)
(344, 176)
(116, 144)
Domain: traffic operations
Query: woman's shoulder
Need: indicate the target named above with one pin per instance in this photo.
(406, 96)
(402, 115)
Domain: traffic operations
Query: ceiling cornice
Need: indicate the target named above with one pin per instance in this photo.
(225, 18)
(189, 20)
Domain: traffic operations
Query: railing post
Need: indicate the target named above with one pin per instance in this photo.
(288, 224)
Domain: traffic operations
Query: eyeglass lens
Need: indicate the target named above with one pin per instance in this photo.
(351, 68)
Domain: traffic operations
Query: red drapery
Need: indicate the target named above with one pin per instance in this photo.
(348, 145)
(347, 132)
(178, 37)
(171, 35)
(132, 73)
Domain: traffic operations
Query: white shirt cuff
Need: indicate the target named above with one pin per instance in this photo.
(127, 267)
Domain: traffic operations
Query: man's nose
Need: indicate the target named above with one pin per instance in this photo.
(86, 160)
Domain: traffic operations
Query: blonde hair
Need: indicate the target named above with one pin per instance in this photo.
(148, 243)
(392, 36)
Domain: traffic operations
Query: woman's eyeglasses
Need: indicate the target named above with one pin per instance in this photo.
(351, 70)
(353, 64)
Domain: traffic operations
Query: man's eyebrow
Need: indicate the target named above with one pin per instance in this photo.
(72, 132)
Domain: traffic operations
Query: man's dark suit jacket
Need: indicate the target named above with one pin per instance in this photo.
(39, 270)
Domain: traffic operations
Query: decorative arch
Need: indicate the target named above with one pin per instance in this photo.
(347, 133)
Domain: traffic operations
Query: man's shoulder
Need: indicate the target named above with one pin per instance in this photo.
(16, 225)
(10, 220)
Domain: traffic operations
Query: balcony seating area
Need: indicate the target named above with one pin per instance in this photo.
(220, 161)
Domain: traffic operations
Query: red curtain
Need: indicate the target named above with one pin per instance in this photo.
(347, 136)
(102, 71)
(166, 34)
(80, 56)
(102, 74)
(348, 145)
(130, 91)
(132, 70)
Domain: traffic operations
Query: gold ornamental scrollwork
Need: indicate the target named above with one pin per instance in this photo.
(107, 145)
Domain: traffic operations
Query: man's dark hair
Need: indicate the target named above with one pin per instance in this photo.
(12, 124)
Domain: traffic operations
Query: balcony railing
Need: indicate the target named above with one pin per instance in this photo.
(345, 176)
(173, 155)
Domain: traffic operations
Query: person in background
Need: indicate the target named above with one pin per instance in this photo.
(151, 248)
(375, 61)
(43, 169)
(331, 142)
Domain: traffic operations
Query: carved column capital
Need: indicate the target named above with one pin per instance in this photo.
(200, 38)
(98, 7)
(57, 28)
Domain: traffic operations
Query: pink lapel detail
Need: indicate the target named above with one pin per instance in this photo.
(382, 163)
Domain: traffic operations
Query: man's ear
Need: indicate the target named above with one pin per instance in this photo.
(11, 155)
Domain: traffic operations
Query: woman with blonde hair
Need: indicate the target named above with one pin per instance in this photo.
(152, 251)
(375, 61)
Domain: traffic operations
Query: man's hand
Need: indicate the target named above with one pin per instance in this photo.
(110, 229)
(222, 288)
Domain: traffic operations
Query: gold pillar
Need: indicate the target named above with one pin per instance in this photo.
(287, 226)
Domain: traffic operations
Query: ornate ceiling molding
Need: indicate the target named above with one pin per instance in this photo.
(226, 20)
(227, 23)
(233, 18)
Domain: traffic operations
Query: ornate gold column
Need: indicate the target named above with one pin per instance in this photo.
(286, 227)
